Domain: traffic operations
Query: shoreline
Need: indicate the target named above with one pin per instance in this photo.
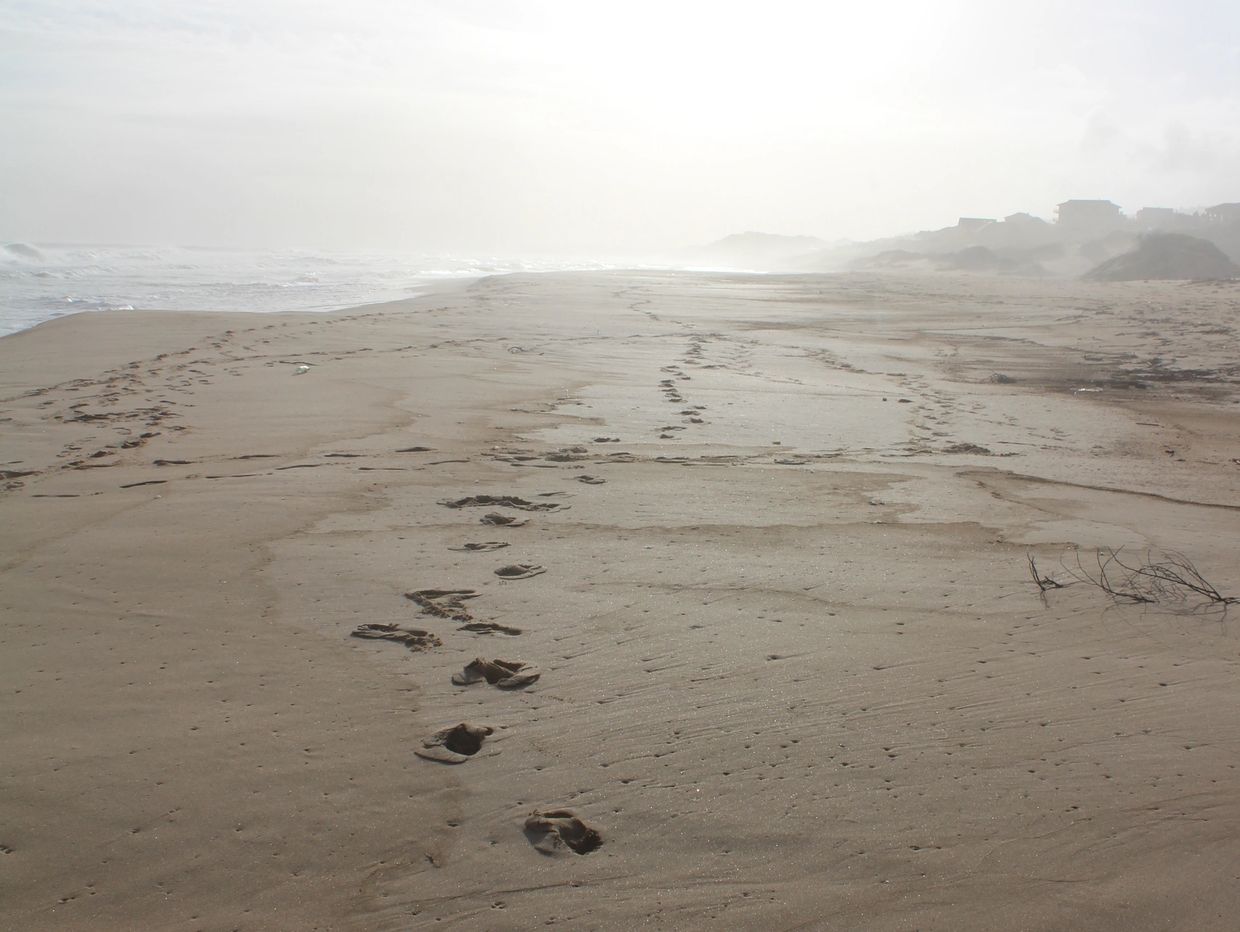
(791, 661)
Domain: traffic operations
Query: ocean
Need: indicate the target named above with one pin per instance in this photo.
(39, 282)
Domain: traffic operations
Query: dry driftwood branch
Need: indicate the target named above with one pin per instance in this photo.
(1174, 577)
(1042, 582)
(1171, 577)
(1111, 576)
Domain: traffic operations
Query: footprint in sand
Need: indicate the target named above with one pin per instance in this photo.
(566, 455)
(483, 545)
(454, 744)
(506, 674)
(490, 627)
(443, 603)
(556, 829)
(507, 501)
(519, 571)
(495, 519)
(591, 480)
(413, 638)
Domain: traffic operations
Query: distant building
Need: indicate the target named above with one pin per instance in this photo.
(1088, 213)
(1222, 213)
(973, 224)
(1161, 218)
(1018, 233)
(1089, 216)
(1022, 218)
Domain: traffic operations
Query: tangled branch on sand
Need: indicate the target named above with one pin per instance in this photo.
(1043, 582)
(1157, 579)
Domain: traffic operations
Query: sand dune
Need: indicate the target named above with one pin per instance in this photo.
(764, 562)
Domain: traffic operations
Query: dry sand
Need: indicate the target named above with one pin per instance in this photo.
(782, 649)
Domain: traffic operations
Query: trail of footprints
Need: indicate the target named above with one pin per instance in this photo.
(550, 831)
(134, 402)
(124, 407)
(737, 358)
(690, 414)
(108, 396)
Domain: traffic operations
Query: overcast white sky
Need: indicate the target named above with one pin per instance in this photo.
(551, 125)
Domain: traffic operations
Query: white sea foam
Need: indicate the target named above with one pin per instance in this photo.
(39, 282)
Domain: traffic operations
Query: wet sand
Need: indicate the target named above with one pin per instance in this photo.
(753, 552)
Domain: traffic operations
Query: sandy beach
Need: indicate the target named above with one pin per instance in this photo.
(755, 551)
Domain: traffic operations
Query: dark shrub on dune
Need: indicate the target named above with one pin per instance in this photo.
(1166, 256)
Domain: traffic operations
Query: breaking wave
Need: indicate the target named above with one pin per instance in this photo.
(44, 281)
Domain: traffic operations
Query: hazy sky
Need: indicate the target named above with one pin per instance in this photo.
(548, 125)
